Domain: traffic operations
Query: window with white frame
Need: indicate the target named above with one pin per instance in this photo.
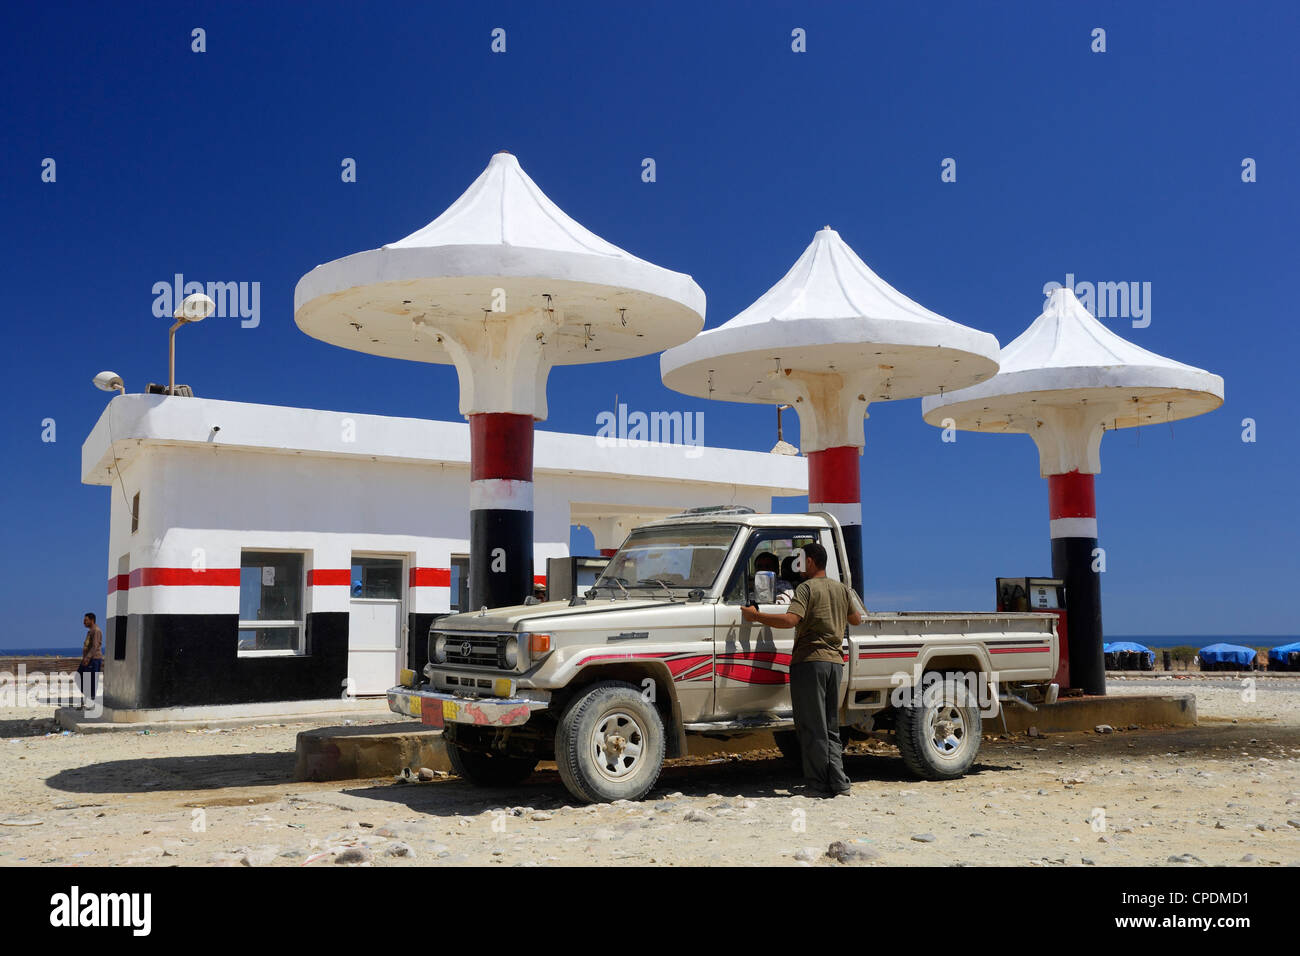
(270, 603)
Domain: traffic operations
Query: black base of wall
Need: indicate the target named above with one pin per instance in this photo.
(192, 660)
(417, 639)
(115, 636)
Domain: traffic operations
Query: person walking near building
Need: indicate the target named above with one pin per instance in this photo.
(820, 612)
(92, 660)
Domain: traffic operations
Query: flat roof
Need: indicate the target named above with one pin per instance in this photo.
(135, 421)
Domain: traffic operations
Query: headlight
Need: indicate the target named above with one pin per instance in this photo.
(510, 652)
(440, 649)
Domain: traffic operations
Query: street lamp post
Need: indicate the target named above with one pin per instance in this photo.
(194, 308)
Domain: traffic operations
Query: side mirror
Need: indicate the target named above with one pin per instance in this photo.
(765, 587)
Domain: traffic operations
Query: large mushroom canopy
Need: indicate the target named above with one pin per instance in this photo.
(503, 283)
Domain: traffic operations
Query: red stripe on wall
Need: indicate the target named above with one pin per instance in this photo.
(1072, 495)
(501, 446)
(184, 577)
(119, 582)
(329, 577)
(429, 577)
(834, 476)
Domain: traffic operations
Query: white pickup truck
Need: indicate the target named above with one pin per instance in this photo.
(656, 658)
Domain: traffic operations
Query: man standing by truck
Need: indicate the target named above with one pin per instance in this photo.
(820, 612)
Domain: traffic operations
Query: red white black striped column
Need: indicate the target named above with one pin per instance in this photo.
(834, 486)
(500, 509)
(1074, 539)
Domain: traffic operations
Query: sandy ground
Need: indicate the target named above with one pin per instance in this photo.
(1226, 792)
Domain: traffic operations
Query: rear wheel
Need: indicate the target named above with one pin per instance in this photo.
(609, 744)
(938, 734)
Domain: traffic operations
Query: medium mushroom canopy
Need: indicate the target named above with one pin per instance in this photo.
(501, 252)
(831, 314)
(1067, 360)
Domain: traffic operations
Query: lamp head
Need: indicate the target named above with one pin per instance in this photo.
(194, 308)
(109, 382)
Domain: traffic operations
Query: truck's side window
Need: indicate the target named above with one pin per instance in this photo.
(783, 544)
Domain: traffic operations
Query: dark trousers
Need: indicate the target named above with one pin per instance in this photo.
(815, 692)
(93, 667)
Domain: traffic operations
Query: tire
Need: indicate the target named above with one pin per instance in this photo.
(488, 769)
(939, 736)
(595, 740)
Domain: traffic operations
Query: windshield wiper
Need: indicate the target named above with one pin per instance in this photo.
(606, 582)
(655, 581)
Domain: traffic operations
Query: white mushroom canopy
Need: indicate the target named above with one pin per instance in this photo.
(832, 336)
(505, 286)
(1066, 379)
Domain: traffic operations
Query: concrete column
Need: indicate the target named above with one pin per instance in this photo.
(500, 509)
(1073, 512)
(834, 486)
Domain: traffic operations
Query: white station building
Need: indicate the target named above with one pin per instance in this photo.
(260, 554)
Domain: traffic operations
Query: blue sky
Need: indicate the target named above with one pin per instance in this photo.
(1115, 166)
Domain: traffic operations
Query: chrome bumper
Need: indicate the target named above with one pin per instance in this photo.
(435, 709)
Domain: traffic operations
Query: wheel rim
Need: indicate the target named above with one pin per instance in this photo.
(617, 743)
(948, 735)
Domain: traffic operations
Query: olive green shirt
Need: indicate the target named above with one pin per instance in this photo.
(823, 608)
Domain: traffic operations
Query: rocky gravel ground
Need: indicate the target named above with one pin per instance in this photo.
(1224, 793)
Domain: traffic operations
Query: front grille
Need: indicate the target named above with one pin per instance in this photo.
(469, 649)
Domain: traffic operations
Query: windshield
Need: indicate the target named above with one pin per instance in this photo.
(683, 557)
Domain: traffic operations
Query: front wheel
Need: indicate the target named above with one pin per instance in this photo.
(938, 734)
(488, 769)
(609, 744)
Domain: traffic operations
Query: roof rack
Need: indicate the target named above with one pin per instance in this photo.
(714, 510)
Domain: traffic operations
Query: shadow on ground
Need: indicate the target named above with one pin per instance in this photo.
(28, 727)
(162, 774)
(752, 776)
(756, 774)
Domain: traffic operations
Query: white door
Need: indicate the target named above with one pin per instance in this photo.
(374, 643)
(375, 651)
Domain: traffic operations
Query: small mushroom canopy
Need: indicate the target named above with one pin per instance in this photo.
(500, 252)
(831, 311)
(831, 336)
(1067, 379)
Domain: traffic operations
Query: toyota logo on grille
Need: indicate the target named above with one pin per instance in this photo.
(466, 648)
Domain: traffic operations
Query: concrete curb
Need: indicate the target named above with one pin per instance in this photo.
(1084, 713)
(358, 753)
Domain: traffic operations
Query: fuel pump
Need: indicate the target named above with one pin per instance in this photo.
(1040, 594)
